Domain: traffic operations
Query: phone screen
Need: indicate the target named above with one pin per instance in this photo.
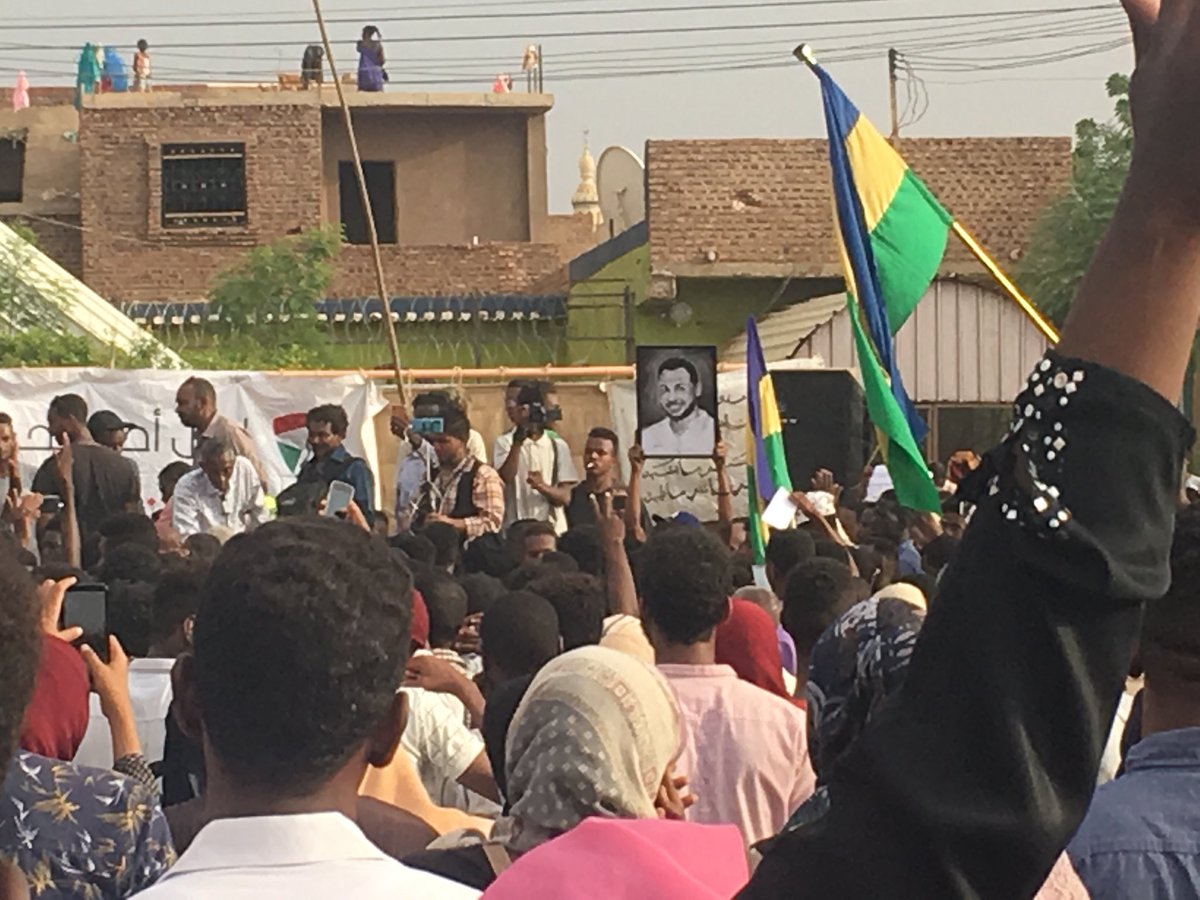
(51, 505)
(339, 497)
(86, 606)
(429, 425)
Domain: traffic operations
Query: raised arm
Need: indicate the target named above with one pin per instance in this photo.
(970, 781)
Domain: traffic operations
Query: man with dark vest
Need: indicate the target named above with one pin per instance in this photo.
(328, 427)
(466, 493)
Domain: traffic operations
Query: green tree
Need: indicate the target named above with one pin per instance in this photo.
(1066, 236)
(267, 304)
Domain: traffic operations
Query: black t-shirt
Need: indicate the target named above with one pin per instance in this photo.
(579, 510)
(466, 865)
(105, 483)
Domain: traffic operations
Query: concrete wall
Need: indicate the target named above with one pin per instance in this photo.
(458, 176)
(50, 201)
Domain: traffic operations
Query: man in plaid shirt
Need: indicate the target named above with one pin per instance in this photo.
(466, 493)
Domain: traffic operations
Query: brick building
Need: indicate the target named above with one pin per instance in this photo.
(174, 186)
(148, 196)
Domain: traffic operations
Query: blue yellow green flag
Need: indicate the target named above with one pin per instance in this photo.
(893, 235)
(766, 461)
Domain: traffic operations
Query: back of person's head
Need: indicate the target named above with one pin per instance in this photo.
(827, 549)
(482, 591)
(130, 615)
(939, 553)
(519, 635)
(446, 602)
(130, 562)
(581, 603)
(923, 582)
(684, 580)
(553, 563)
(301, 642)
(764, 598)
(488, 555)
(1170, 647)
(816, 593)
(177, 598)
(70, 406)
(447, 544)
(170, 474)
(124, 528)
(868, 561)
(502, 702)
(417, 547)
(20, 649)
(582, 544)
(202, 547)
(742, 573)
(788, 549)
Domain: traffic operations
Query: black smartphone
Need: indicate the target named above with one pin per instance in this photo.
(86, 606)
(619, 502)
(51, 505)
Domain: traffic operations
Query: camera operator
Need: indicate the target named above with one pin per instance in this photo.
(465, 492)
(534, 462)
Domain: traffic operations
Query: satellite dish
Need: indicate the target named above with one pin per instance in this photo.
(621, 181)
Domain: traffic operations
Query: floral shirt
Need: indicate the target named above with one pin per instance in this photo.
(82, 833)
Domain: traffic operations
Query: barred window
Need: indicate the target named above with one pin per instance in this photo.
(203, 185)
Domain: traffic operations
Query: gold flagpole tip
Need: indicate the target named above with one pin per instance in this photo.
(805, 54)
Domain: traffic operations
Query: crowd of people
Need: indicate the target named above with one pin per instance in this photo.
(522, 685)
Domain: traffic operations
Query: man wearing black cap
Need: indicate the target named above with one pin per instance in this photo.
(109, 430)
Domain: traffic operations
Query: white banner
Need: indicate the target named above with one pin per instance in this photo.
(271, 406)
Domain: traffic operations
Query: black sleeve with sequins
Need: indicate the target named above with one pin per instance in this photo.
(972, 779)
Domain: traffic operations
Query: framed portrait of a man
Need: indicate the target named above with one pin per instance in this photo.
(677, 401)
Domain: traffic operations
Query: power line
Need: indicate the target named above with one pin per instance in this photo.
(992, 15)
(507, 13)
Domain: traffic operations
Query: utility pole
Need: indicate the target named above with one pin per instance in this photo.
(893, 57)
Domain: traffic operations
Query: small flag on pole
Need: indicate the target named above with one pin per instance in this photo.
(766, 462)
(893, 235)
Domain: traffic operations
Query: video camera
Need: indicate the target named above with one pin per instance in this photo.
(541, 415)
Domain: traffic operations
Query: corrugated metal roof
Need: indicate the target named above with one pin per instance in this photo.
(781, 332)
(963, 344)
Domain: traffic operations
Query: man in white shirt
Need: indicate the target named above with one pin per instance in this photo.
(686, 429)
(534, 462)
(224, 494)
(300, 645)
(171, 609)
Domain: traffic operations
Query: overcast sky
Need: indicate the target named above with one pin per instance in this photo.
(632, 70)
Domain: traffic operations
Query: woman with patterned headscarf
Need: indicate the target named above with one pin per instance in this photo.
(594, 737)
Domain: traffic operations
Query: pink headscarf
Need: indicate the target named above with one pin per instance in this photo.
(665, 860)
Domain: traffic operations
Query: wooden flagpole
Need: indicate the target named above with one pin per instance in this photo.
(384, 296)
